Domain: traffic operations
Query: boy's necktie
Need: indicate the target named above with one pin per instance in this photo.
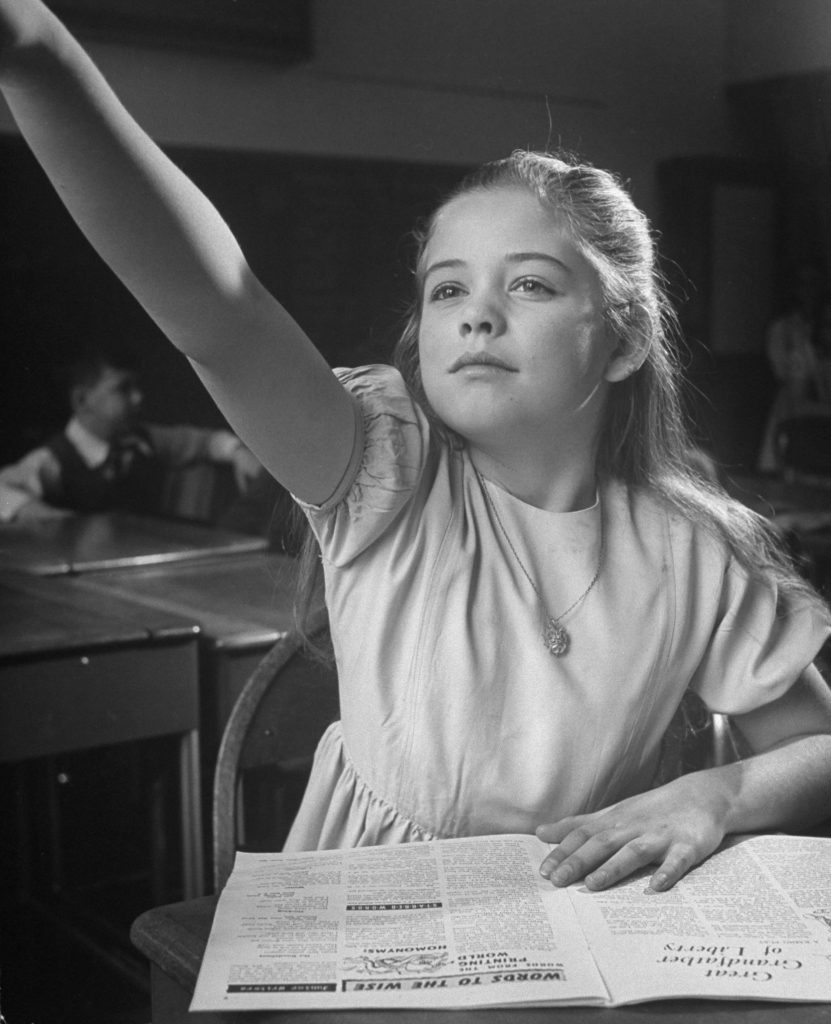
(120, 457)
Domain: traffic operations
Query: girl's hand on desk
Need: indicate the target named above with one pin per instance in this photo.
(675, 826)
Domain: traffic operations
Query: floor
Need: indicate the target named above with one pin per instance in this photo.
(78, 868)
(59, 981)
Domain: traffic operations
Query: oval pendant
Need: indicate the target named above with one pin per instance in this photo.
(556, 638)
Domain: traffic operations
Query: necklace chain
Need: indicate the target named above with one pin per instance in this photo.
(555, 635)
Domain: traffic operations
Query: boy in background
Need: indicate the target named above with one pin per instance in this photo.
(107, 458)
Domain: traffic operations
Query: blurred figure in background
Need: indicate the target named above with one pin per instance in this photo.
(106, 458)
(793, 350)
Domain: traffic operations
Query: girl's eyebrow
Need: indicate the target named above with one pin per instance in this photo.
(443, 265)
(512, 257)
(524, 257)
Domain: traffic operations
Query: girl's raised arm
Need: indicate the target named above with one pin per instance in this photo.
(174, 252)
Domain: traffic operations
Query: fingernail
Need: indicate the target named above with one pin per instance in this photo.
(597, 878)
(562, 876)
(660, 881)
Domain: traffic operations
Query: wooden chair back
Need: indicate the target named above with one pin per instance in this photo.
(267, 747)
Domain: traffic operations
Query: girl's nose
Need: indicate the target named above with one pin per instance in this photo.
(481, 318)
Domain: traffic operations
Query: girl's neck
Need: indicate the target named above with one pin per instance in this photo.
(555, 485)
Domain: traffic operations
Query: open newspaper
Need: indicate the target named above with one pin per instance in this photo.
(470, 922)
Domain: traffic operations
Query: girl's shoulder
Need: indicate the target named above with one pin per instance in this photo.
(380, 386)
(370, 376)
(681, 521)
(706, 526)
(391, 453)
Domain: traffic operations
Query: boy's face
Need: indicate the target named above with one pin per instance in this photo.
(111, 405)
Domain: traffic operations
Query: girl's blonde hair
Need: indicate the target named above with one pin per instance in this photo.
(644, 438)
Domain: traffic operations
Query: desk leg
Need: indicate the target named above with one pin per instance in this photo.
(193, 860)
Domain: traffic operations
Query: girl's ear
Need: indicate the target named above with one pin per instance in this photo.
(624, 360)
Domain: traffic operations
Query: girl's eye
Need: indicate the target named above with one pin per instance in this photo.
(531, 286)
(444, 291)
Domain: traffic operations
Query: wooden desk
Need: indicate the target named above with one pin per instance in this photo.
(81, 670)
(243, 605)
(88, 543)
(174, 938)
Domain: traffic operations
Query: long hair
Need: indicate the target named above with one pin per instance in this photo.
(644, 438)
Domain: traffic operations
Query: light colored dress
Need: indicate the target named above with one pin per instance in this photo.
(456, 719)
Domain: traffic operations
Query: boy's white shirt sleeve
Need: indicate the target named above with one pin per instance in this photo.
(23, 482)
(183, 445)
(223, 446)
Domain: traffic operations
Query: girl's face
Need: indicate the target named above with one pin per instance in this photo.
(512, 342)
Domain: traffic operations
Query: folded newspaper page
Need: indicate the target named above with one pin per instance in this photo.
(470, 922)
(462, 922)
(752, 922)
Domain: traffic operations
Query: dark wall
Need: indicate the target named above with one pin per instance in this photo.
(728, 393)
(330, 238)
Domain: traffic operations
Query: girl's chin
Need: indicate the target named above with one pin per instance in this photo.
(483, 428)
(478, 411)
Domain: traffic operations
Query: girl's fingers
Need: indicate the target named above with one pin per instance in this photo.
(579, 852)
(604, 859)
(556, 832)
(568, 837)
(678, 861)
(639, 853)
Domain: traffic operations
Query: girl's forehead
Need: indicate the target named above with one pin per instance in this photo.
(495, 225)
(509, 216)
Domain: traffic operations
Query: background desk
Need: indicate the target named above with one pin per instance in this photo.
(88, 543)
(243, 604)
(81, 670)
(181, 930)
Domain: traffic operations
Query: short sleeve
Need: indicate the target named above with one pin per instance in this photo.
(391, 443)
(758, 648)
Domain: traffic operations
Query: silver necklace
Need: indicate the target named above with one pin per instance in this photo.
(555, 635)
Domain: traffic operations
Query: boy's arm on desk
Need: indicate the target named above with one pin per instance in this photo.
(24, 483)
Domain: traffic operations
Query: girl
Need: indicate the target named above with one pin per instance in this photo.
(523, 576)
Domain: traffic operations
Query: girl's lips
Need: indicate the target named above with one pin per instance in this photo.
(480, 359)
